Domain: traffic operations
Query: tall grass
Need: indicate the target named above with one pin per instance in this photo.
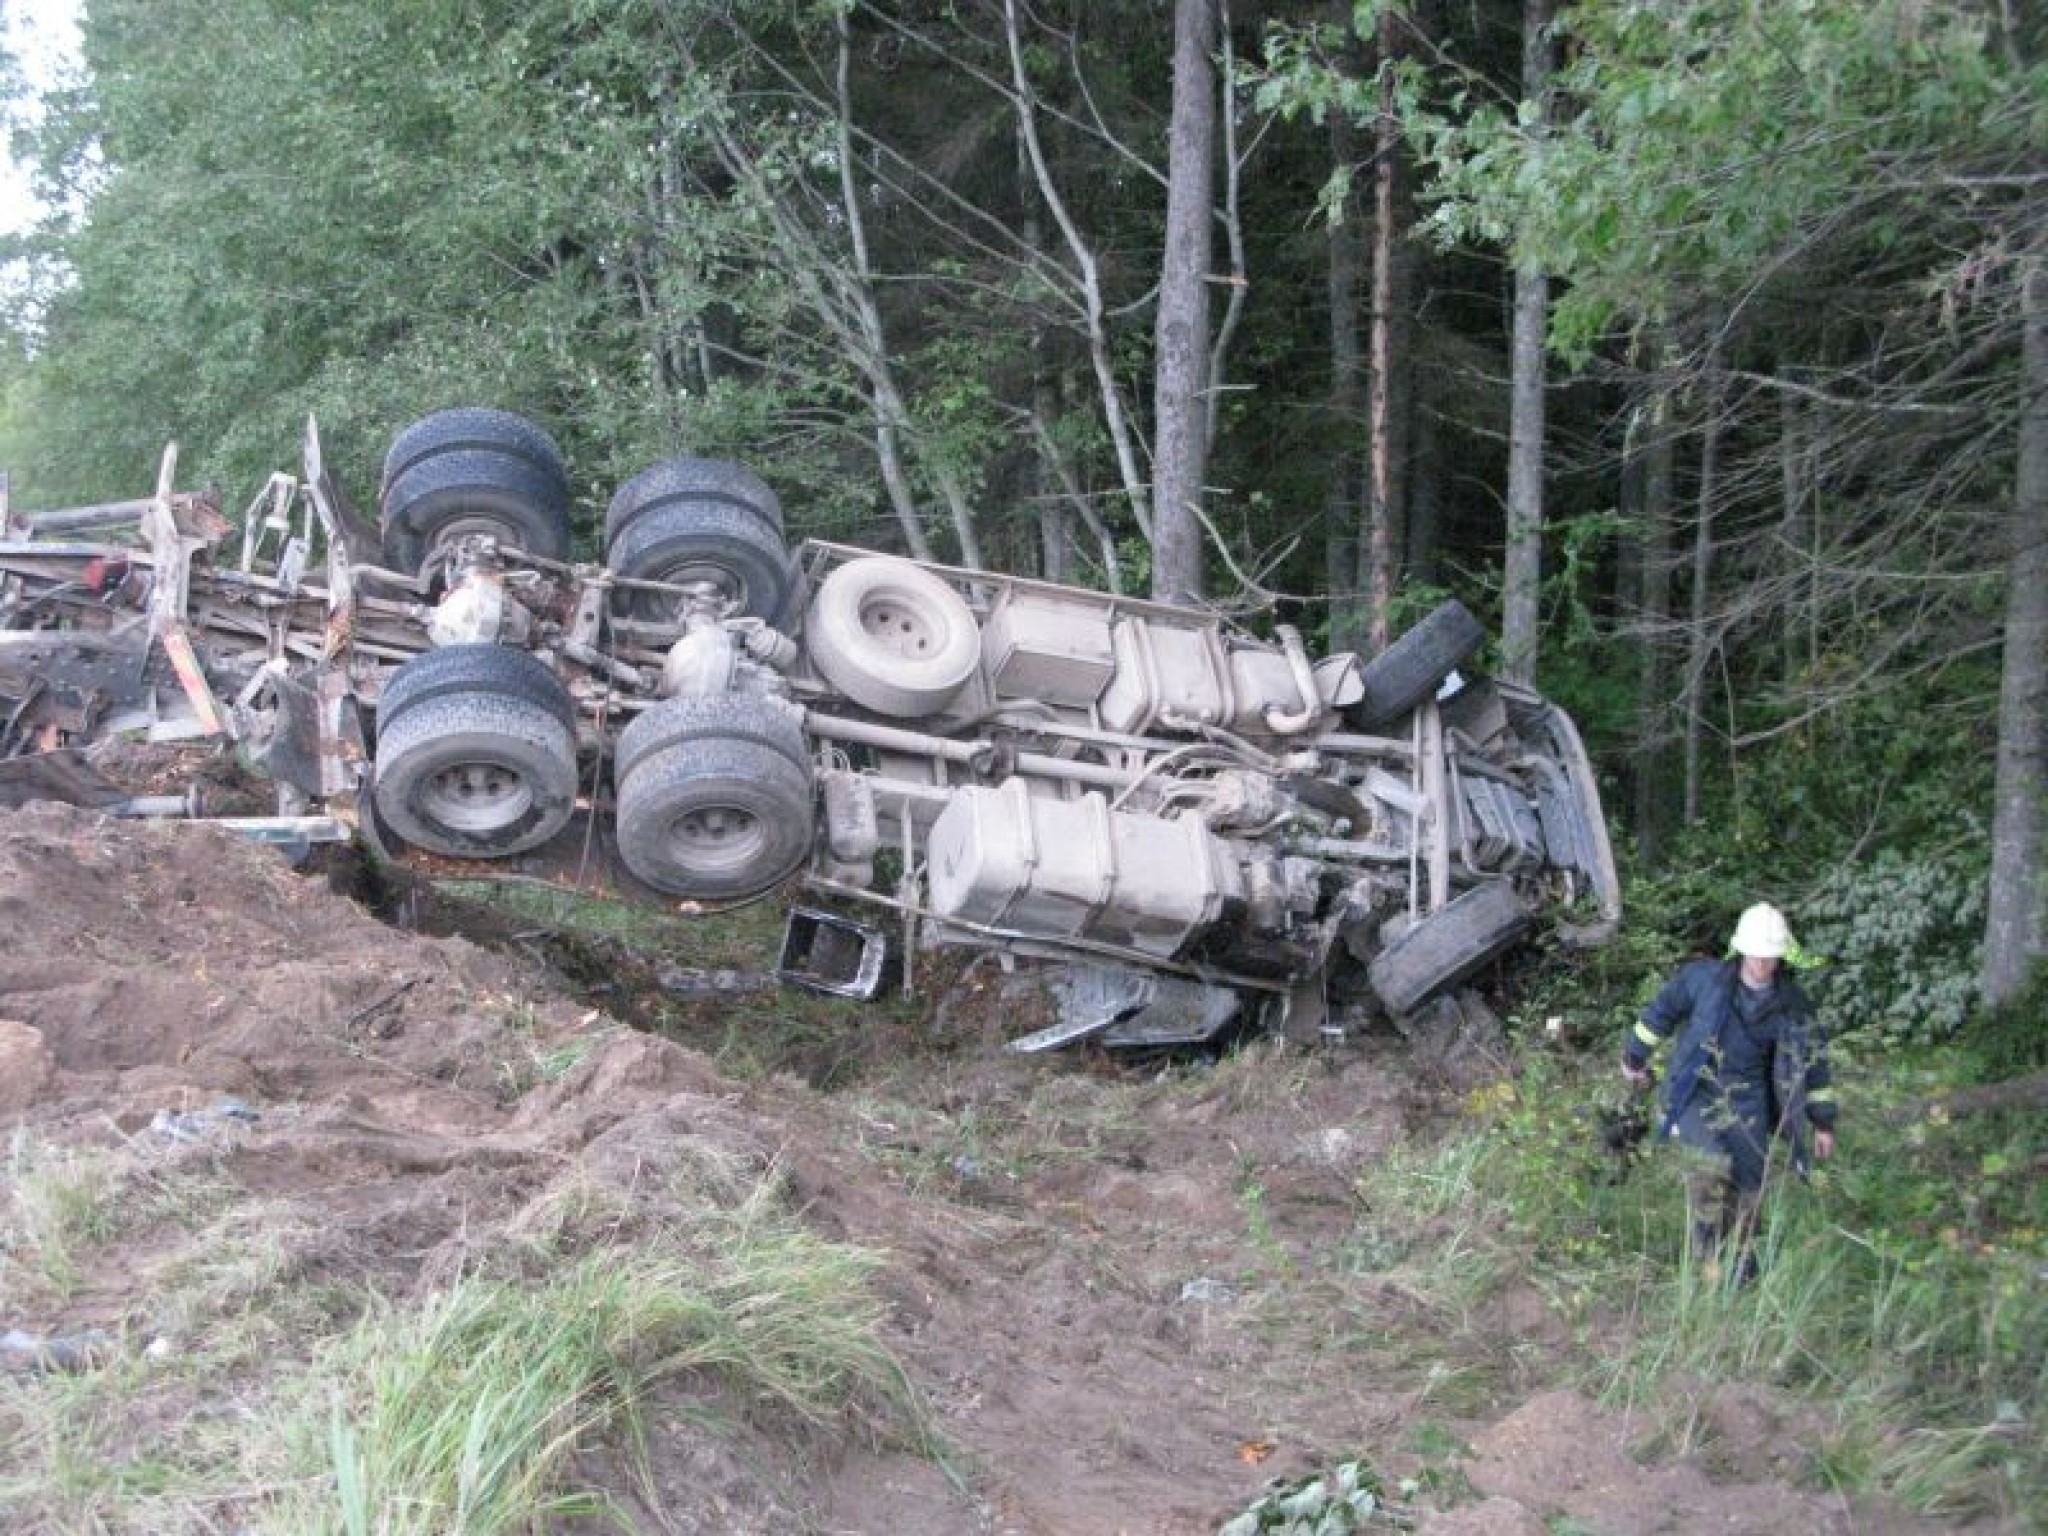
(460, 1419)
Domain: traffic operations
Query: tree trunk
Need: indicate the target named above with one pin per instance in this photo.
(1086, 278)
(1699, 646)
(1055, 554)
(1347, 402)
(1801, 641)
(1233, 227)
(892, 415)
(2014, 937)
(1403, 276)
(1180, 445)
(1376, 556)
(1522, 568)
(1653, 609)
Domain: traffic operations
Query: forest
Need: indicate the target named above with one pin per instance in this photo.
(1699, 347)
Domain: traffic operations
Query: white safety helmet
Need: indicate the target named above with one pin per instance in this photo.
(1761, 933)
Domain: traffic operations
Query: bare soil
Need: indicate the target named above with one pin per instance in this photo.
(1128, 1296)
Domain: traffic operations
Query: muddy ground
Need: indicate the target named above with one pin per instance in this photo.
(1127, 1296)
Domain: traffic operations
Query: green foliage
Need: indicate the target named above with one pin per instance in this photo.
(1304, 75)
(1346, 1498)
(2010, 1038)
(1726, 128)
(392, 212)
(1901, 934)
(1560, 1176)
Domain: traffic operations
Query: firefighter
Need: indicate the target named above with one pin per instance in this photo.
(1750, 1067)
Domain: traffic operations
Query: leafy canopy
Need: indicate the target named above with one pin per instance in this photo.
(1702, 143)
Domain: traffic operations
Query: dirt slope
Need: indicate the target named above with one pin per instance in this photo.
(1117, 1293)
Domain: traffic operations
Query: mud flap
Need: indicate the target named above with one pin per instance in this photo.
(314, 740)
(1304, 1014)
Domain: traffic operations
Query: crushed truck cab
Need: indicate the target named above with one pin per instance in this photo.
(1200, 826)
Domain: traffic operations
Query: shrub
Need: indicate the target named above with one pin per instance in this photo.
(1900, 936)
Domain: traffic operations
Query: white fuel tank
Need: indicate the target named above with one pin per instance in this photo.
(1001, 856)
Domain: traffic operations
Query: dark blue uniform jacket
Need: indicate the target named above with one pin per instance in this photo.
(1783, 1046)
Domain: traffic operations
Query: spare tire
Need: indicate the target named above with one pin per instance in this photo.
(892, 636)
(688, 481)
(1447, 946)
(1408, 671)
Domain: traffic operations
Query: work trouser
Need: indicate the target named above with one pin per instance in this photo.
(1724, 1146)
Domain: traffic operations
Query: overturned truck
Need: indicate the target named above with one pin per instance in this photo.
(1201, 828)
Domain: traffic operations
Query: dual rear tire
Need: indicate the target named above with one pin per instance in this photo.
(714, 796)
(700, 522)
(476, 752)
(471, 471)
(476, 759)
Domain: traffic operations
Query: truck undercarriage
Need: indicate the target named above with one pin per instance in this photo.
(1197, 824)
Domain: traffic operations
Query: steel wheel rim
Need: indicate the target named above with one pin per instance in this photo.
(717, 839)
(898, 627)
(476, 796)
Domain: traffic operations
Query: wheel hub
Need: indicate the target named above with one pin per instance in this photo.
(476, 797)
(717, 837)
(897, 627)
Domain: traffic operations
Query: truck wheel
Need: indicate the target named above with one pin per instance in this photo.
(1447, 946)
(727, 546)
(474, 491)
(498, 669)
(475, 427)
(714, 820)
(1408, 671)
(892, 636)
(686, 482)
(475, 774)
(756, 717)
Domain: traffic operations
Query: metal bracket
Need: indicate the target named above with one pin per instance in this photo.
(824, 952)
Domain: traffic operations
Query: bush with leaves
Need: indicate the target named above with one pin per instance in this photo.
(1346, 1499)
(1900, 934)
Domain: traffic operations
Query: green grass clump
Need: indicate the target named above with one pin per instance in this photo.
(462, 1416)
(550, 907)
(55, 1204)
